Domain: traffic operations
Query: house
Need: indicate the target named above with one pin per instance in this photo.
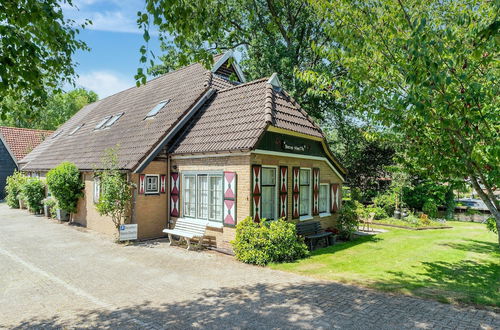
(15, 143)
(198, 144)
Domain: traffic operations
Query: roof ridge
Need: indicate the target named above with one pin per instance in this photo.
(269, 104)
(243, 85)
(28, 129)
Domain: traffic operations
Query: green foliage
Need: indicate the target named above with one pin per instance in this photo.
(266, 242)
(13, 188)
(34, 193)
(347, 220)
(57, 110)
(415, 197)
(116, 191)
(491, 225)
(66, 186)
(429, 71)
(37, 44)
(431, 208)
(51, 203)
(387, 201)
(449, 202)
(379, 213)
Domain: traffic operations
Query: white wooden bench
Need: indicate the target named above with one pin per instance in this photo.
(187, 229)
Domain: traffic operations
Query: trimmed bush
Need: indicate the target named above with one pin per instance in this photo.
(379, 212)
(267, 241)
(386, 201)
(430, 208)
(65, 185)
(34, 193)
(13, 188)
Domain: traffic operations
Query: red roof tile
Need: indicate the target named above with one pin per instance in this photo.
(22, 140)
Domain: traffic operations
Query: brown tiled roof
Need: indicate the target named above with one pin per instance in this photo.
(134, 135)
(22, 140)
(235, 118)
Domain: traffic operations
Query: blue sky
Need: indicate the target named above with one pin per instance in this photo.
(114, 40)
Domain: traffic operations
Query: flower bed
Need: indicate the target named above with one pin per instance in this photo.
(391, 222)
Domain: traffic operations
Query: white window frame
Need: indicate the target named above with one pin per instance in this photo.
(217, 223)
(327, 213)
(276, 192)
(151, 192)
(307, 216)
(97, 189)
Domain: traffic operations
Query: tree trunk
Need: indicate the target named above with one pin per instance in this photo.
(489, 203)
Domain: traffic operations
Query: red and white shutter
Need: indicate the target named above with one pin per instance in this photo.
(295, 192)
(174, 193)
(256, 192)
(162, 183)
(315, 191)
(230, 199)
(283, 192)
(142, 178)
(335, 197)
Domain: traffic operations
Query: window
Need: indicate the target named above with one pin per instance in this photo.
(269, 199)
(97, 189)
(324, 197)
(102, 122)
(152, 184)
(305, 192)
(113, 120)
(202, 196)
(76, 129)
(157, 108)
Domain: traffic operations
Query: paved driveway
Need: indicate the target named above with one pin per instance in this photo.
(58, 276)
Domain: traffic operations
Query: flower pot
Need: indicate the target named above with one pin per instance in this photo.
(22, 204)
(62, 215)
(46, 211)
(397, 214)
(332, 239)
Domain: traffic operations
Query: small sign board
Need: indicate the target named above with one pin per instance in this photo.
(128, 232)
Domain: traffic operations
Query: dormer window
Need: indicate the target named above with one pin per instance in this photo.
(157, 109)
(113, 120)
(76, 129)
(101, 123)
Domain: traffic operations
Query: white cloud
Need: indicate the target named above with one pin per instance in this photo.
(104, 83)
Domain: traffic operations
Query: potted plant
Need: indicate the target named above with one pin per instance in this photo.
(66, 186)
(34, 192)
(13, 188)
(49, 206)
(22, 201)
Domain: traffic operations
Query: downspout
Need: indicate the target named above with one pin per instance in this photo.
(168, 191)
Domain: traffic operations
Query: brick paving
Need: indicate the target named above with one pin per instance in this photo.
(56, 276)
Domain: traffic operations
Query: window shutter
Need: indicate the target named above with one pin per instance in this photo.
(335, 197)
(283, 192)
(230, 186)
(162, 183)
(256, 192)
(174, 194)
(296, 192)
(315, 191)
(142, 177)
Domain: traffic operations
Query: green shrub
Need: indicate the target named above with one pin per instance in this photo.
(491, 224)
(430, 208)
(34, 193)
(379, 212)
(347, 220)
(267, 241)
(415, 197)
(13, 188)
(65, 185)
(386, 201)
(51, 203)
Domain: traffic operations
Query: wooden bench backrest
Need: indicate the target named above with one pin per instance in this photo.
(305, 228)
(191, 226)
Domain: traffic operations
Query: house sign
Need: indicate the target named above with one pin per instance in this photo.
(128, 232)
(288, 146)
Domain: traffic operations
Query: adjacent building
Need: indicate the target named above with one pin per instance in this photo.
(15, 144)
(204, 144)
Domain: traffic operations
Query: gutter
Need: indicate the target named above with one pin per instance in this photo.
(208, 94)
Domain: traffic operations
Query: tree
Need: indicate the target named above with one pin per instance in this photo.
(65, 185)
(429, 71)
(36, 48)
(116, 191)
(59, 108)
(272, 36)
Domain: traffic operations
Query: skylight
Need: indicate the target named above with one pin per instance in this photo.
(101, 123)
(113, 120)
(157, 108)
(76, 129)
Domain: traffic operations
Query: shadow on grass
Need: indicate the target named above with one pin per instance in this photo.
(346, 245)
(263, 306)
(472, 245)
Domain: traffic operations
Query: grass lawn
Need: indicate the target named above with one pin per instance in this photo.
(419, 224)
(458, 265)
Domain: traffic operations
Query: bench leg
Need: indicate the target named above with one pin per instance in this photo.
(171, 240)
(188, 241)
(200, 242)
